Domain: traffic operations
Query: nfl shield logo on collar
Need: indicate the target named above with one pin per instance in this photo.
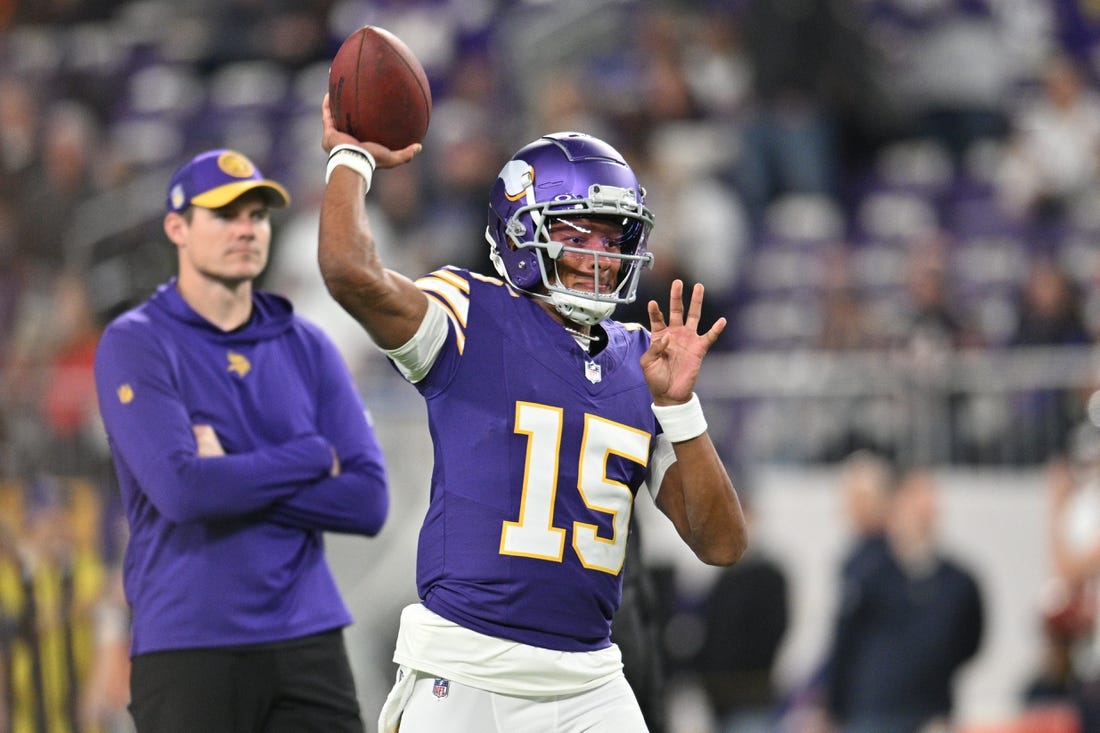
(441, 688)
(592, 371)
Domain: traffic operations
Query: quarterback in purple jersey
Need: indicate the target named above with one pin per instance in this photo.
(239, 439)
(547, 417)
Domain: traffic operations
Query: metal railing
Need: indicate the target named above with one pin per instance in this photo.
(987, 407)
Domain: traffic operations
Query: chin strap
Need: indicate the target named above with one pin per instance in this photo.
(581, 310)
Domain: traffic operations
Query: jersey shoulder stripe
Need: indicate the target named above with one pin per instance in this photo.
(451, 291)
(450, 287)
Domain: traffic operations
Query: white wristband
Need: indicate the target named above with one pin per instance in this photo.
(359, 160)
(681, 422)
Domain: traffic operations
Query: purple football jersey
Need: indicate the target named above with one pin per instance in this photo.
(539, 449)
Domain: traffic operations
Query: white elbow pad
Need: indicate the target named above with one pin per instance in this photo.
(415, 357)
(663, 456)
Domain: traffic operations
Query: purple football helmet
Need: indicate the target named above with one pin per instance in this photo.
(566, 174)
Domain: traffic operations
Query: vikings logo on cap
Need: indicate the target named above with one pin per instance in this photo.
(236, 165)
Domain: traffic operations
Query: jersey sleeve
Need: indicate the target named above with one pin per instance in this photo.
(414, 358)
(150, 431)
(431, 357)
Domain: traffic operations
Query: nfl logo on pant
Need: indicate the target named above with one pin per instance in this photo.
(441, 688)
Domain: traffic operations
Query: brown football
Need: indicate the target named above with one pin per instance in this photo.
(378, 91)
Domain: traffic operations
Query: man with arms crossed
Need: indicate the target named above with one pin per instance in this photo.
(239, 439)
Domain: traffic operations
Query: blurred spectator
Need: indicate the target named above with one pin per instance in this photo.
(845, 322)
(1051, 691)
(1052, 159)
(1054, 682)
(664, 81)
(48, 380)
(19, 131)
(715, 63)
(747, 617)
(956, 69)
(933, 328)
(104, 700)
(932, 334)
(1073, 531)
(66, 176)
(848, 328)
(69, 402)
(707, 235)
(105, 697)
(866, 483)
(636, 629)
(563, 104)
(907, 623)
(51, 589)
(290, 32)
(1049, 307)
(463, 149)
(798, 56)
(1049, 314)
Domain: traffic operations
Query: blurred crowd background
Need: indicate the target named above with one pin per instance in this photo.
(895, 202)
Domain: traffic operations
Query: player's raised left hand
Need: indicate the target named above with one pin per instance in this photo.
(671, 364)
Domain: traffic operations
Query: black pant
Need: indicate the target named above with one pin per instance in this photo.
(286, 687)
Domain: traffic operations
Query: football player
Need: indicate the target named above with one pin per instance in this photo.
(547, 417)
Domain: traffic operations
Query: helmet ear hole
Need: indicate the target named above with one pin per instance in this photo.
(516, 229)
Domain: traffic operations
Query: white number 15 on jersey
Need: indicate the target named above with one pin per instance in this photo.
(534, 534)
